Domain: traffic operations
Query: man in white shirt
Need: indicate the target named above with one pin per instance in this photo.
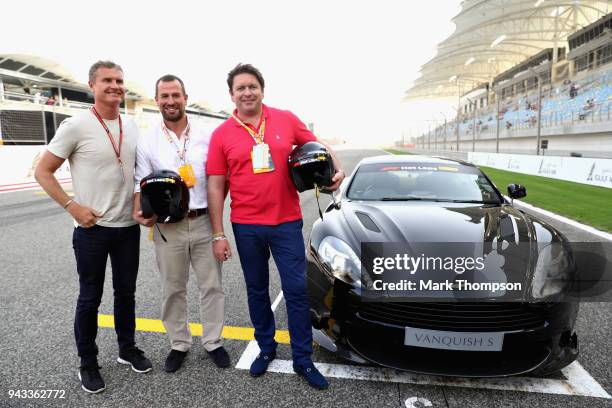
(181, 145)
(101, 148)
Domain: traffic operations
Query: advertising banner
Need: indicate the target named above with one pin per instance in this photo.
(18, 165)
(596, 172)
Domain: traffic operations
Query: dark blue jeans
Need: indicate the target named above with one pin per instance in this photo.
(285, 241)
(92, 247)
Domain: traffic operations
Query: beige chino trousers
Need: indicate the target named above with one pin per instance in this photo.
(189, 242)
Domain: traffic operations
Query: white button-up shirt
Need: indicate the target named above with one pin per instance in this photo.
(156, 152)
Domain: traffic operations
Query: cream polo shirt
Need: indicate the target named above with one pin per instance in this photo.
(96, 176)
(156, 152)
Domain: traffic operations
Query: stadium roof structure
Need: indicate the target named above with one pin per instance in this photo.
(31, 68)
(36, 66)
(492, 36)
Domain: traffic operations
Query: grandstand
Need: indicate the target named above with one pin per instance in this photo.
(37, 94)
(530, 77)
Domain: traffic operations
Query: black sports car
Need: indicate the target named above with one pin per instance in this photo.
(403, 200)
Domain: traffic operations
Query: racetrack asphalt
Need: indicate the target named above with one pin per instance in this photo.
(38, 297)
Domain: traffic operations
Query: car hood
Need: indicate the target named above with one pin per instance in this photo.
(435, 222)
(434, 225)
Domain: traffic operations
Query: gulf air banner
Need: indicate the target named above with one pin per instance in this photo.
(596, 172)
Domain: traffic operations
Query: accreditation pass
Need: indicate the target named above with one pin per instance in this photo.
(261, 158)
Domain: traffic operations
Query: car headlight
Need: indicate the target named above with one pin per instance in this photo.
(341, 259)
(552, 272)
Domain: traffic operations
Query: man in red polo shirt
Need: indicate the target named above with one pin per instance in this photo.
(251, 149)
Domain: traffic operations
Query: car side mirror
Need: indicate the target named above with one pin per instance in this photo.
(516, 191)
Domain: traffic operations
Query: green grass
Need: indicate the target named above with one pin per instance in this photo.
(584, 203)
(581, 202)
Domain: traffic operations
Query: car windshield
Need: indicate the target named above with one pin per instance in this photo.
(421, 182)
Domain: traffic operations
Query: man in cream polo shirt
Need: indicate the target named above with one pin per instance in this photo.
(101, 148)
(181, 145)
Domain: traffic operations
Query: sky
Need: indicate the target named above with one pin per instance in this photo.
(342, 65)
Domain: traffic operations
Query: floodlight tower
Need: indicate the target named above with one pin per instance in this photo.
(539, 79)
(444, 136)
(456, 79)
(473, 103)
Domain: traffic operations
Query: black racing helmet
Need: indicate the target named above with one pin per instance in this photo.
(165, 194)
(309, 164)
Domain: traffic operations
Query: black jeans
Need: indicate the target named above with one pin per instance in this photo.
(92, 246)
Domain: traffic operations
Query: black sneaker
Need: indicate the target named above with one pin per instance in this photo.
(135, 358)
(91, 380)
(174, 361)
(220, 357)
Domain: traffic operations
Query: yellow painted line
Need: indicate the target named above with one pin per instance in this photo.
(229, 332)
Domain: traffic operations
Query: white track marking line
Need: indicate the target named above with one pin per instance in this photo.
(252, 349)
(277, 301)
(576, 224)
(248, 356)
(578, 383)
(14, 188)
(582, 381)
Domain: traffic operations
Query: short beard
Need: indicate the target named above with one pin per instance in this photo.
(176, 118)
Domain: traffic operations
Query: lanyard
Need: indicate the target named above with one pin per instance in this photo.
(181, 152)
(116, 149)
(109, 134)
(259, 136)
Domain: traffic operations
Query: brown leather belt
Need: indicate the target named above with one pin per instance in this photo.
(197, 212)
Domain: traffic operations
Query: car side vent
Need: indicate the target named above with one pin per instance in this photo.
(367, 222)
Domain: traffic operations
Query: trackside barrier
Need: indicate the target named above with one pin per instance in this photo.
(596, 172)
(18, 164)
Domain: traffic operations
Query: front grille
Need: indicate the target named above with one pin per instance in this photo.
(459, 316)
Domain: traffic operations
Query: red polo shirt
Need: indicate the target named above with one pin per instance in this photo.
(265, 198)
